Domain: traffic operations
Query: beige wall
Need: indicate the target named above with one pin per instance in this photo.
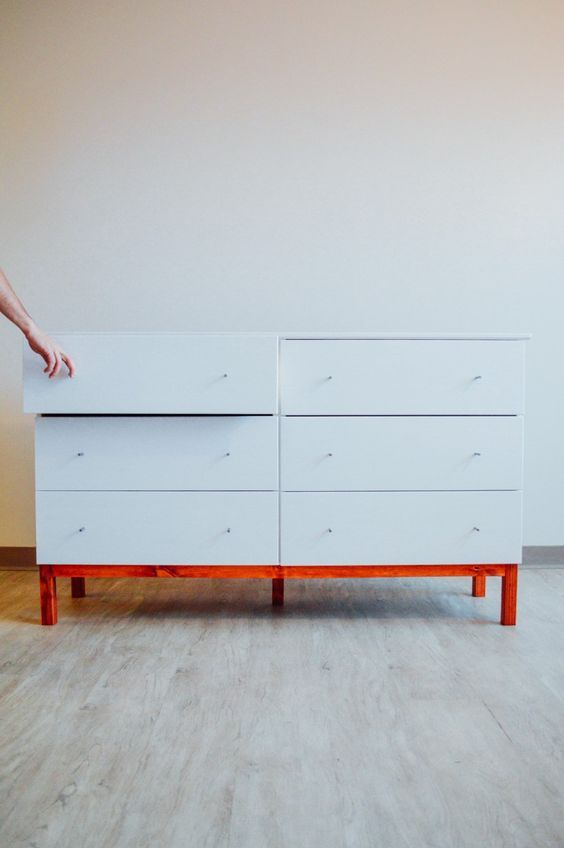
(306, 164)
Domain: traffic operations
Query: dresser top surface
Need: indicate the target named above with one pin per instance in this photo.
(304, 334)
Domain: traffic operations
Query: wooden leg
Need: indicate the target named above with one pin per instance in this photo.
(278, 592)
(509, 595)
(48, 595)
(78, 587)
(479, 586)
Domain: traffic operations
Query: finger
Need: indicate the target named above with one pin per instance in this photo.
(69, 363)
(53, 365)
(58, 364)
(50, 360)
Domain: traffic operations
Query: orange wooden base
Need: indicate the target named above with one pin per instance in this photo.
(277, 573)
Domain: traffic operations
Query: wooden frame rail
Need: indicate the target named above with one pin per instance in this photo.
(278, 574)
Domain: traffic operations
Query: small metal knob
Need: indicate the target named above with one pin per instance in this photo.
(80, 453)
(329, 454)
(81, 529)
(228, 453)
(228, 530)
(329, 530)
(226, 375)
(330, 377)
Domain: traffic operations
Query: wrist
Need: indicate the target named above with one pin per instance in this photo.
(27, 325)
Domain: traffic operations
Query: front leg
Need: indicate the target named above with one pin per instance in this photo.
(48, 594)
(509, 595)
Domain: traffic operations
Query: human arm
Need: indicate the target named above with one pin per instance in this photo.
(42, 344)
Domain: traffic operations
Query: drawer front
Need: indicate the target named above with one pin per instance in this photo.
(145, 452)
(373, 377)
(412, 452)
(158, 373)
(157, 528)
(400, 528)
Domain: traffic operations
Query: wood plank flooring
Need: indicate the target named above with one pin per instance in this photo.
(366, 714)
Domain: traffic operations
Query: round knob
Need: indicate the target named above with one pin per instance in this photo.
(228, 453)
(226, 375)
(329, 530)
(81, 529)
(80, 453)
(329, 454)
(228, 530)
(330, 377)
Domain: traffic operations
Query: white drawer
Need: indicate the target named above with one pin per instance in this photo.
(400, 528)
(158, 373)
(152, 528)
(146, 452)
(411, 452)
(372, 377)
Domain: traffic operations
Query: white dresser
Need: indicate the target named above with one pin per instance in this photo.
(279, 456)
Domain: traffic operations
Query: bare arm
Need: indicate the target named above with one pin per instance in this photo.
(12, 307)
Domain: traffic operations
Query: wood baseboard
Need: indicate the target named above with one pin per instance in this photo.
(543, 556)
(17, 557)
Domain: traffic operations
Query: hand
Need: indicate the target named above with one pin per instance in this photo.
(51, 352)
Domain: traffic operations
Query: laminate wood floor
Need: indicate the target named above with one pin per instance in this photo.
(367, 714)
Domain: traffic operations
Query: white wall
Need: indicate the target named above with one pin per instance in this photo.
(292, 164)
